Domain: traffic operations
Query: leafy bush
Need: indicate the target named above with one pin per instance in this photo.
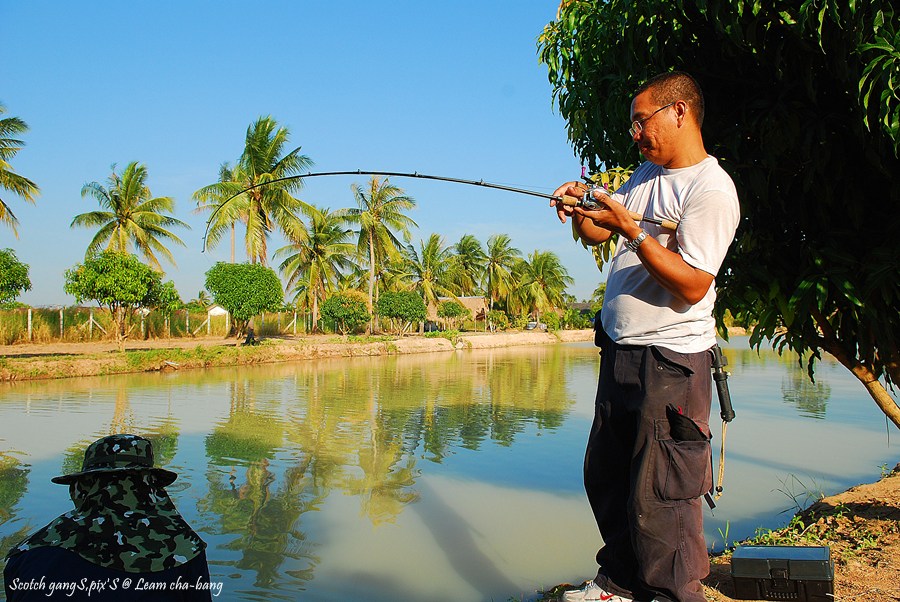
(551, 319)
(13, 277)
(346, 311)
(405, 307)
(498, 319)
(575, 319)
(452, 311)
(119, 282)
(245, 290)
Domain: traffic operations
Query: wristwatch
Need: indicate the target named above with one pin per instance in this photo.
(634, 244)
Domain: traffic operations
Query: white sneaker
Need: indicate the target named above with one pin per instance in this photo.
(592, 591)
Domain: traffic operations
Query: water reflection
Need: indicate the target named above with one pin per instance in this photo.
(430, 477)
(811, 398)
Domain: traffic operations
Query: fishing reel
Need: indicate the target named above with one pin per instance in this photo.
(589, 202)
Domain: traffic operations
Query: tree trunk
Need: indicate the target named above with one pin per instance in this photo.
(371, 284)
(120, 327)
(315, 313)
(863, 372)
(867, 377)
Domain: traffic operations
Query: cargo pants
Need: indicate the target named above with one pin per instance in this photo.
(643, 485)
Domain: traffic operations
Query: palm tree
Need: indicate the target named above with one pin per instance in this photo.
(541, 281)
(10, 180)
(379, 212)
(429, 270)
(467, 264)
(317, 255)
(271, 203)
(500, 259)
(210, 198)
(132, 216)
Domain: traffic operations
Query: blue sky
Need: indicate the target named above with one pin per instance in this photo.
(450, 88)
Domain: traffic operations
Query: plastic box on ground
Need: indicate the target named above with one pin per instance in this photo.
(799, 573)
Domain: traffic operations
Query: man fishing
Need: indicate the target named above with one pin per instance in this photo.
(647, 462)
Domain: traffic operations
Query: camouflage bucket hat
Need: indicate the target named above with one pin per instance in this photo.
(119, 453)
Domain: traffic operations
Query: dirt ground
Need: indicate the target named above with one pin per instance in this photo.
(63, 360)
(862, 528)
(94, 347)
(87, 348)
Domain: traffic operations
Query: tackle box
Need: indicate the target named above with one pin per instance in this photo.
(799, 573)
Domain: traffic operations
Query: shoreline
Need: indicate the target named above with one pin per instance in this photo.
(67, 360)
(860, 526)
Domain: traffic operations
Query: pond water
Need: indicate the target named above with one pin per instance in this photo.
(428, 477)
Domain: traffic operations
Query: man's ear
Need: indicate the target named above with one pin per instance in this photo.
(681, 111)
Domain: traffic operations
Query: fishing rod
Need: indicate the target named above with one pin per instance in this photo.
(587, 201)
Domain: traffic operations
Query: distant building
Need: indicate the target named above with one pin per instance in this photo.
(477, 306)
(216, 310)
(582, 308)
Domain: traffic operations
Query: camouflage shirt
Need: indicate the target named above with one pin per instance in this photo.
(124, 522)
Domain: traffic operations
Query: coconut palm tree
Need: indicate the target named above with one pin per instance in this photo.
(10, 180)
(380, 211)
(467, 264)
(499, 261)
(270, 204)
(429, 269)
(317, 255)
(209, 198)
(130, 215)
(541, 281)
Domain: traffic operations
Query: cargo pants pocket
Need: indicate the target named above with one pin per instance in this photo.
(682, 468)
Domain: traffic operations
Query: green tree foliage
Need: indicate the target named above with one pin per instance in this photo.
(118, 282)
(245, 290)
(14, 278)
(541, 280)
(452, 312)
(318, 253)
(168, 299)
(498, 320)
(551, 319)
(598, 296)
(802, 111)
(209, 198)
(467, 264)
(10, 129)
(130, 215)
(575, 319)
(404, 307)
(167, 302)
(429, 269)
(500, 259)
(264, 208)
(380, 215)
(347, 311)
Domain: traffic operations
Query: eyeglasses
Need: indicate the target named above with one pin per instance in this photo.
(638, 126)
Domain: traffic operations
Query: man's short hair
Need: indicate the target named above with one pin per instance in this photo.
(674, 86)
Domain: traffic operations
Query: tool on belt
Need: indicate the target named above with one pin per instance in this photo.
(720, 377)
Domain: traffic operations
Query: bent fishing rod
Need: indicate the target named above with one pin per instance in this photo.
(587, 201)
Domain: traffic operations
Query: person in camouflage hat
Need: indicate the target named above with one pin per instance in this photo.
(124, 529)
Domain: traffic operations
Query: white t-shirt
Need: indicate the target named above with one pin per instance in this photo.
(637, 310)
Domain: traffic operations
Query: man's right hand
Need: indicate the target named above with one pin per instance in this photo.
(575, 189)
